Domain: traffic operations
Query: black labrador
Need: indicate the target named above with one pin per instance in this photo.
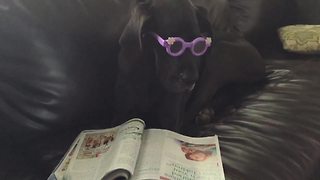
(151, 83)
(232, 60)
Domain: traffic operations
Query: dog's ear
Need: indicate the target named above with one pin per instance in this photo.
(132, 33)
(131, 52)
(204, 24)
(131, 85)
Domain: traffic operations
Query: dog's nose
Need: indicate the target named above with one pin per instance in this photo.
(183, 76)
(187, 78)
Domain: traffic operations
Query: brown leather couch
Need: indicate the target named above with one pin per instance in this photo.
(49, 91)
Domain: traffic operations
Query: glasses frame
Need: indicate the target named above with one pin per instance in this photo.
(191, 45)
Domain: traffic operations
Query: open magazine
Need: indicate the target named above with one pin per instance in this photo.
(130, 152)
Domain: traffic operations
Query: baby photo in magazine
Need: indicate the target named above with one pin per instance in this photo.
(197, 152)
(191, 160)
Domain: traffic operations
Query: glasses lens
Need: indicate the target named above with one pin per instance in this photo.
(176, 47)
(199, 47)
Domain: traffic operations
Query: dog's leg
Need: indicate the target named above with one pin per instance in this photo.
(131, 99)
(205, 89)
(170, 111)
(234, 61)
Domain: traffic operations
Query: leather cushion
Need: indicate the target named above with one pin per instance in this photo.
(47, 69)
(267, 131)
(273, 133)
(308, 11)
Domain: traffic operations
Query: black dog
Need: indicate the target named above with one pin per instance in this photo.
(152, 84)
(232, 60)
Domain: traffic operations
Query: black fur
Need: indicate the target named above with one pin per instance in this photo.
(152, 84)
(232, 60)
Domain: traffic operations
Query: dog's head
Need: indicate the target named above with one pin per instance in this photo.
(165, 18)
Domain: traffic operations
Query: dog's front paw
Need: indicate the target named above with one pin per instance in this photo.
(205, 116)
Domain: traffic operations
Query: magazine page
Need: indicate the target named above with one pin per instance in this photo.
(127, 146)
(102, 151)
(170, 156)
(62, 167)
(148, 164)
(191, 158)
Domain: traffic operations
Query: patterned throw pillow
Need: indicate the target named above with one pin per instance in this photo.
(301, 38)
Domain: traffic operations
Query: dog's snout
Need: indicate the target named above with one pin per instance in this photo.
(187, 77)
(187, 81)
(183, 76)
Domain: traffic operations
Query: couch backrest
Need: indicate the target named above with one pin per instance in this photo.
(260, 19)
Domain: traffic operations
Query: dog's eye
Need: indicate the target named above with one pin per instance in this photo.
(176, 47)
(199, 46)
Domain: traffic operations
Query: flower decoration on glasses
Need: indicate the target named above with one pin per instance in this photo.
(176, 46)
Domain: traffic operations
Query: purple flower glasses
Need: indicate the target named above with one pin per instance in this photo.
(175, 46)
